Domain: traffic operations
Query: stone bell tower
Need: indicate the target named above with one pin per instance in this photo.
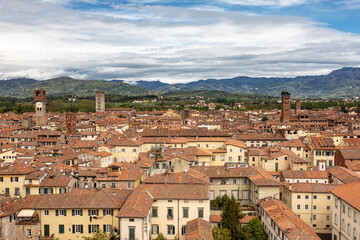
(100, 101)
(40, 107)
(70, 121)
(285, 107)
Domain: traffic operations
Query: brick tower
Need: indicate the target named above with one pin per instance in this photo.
(297, 108)
(70, 120)
(100, 101)
(285, 107)
(40, 107)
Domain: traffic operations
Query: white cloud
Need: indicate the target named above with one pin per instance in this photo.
(276, 3)
(172, 44)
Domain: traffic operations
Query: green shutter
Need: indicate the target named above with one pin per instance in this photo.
(64, 212)
(104, 212)
(73, 228)
(81, 229)
(73, 212)
(112, 212)
(57, 212)
(89, 228)
(89, 212)
(97, 212)
(81, 213)
(61, 229)
(104, 228)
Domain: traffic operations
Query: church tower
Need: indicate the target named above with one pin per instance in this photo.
(40, 107)
(100, 101)
(285, 107)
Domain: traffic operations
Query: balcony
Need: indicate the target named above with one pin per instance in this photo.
(26, 221)
(51, 237)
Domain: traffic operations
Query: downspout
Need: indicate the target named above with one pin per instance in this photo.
(178, 218)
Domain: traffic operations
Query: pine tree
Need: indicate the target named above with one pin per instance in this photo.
(230, 217)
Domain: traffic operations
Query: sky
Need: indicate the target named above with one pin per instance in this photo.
(177, 41)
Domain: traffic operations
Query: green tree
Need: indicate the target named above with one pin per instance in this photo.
(86, 105)
(230, 216)
(220, 233)
(56, 106)
(256, 230)
(160, 237)
(219, 106)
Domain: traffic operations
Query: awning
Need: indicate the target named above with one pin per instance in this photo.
(26, 213)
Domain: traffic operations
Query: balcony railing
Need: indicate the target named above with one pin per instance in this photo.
(51, 237)
(26, 221)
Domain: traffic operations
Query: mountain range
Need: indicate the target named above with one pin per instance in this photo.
(343, 82)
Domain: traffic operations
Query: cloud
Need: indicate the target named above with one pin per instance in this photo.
(276, 3)
(155, 42)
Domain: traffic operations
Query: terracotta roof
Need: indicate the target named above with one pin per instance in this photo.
(260, 177)
(140, 201)
(350, 193)
(191, 177)
(222, 171)
(344, 175)
(349, 154)
(304, 174)
(78, 199)
(289, 223)
(198, 229)
(311, 187)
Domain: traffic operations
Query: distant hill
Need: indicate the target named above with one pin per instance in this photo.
(67, 86)
(339, 83)
(150, 84)
(344, 82)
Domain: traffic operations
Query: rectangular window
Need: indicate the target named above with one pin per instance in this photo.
(327, 217)
(306, 206)
(77, 212)
(235, 193)
(46, 212)
(306, 196)
(154, 212)
(107, 228)
(78, 229)
(28, 232)
(355, 216)
(298, 206)
(314, 217)
(170, 213)
(298, 197)
(171, 229)
(327, 207)
(93, 228)
(61, 212)
(129, 185)
(27, 191)
(314, 207)
(61, 229)
(1, 179)
(185, 212)
(93, 212)
(155, 229)
(183, 230)
(108, 212)
(200, 212)
(212, 195)
(315, 197)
